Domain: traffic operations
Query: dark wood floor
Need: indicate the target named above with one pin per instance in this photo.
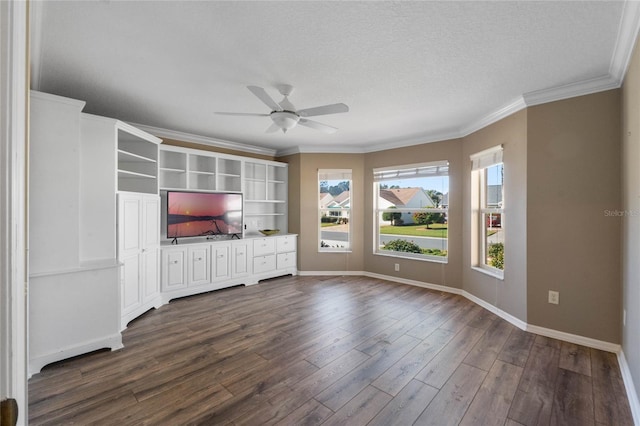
(336, 351)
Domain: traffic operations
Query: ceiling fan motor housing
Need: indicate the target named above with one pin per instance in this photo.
(285, 119)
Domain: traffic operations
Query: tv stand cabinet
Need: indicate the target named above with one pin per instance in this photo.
(198, 265)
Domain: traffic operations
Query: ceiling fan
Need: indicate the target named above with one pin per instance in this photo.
(285, 116)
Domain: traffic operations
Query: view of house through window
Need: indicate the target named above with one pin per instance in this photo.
(411, 210)
(334, 198)
(487, 192)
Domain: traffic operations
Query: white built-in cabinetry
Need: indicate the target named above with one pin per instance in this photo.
(134, 178)
(265, 190)
(263, 183)
(97, 255)
(200, 266)
(192, 169)
(78, 163)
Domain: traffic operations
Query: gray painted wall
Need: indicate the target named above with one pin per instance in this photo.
(573, 178)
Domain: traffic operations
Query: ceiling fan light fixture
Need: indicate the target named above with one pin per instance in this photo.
(284, 119)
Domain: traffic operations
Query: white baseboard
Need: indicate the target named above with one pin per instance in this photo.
(497, 311)
(330, 273)
(113, 342)
(632, 395)
(576, 339)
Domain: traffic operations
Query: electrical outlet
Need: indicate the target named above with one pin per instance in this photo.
(396, 267)
(554, 297)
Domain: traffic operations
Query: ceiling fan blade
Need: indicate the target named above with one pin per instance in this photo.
(264, 97)
(317, 126)
(243, 114)
(323, 110)
(273, 128)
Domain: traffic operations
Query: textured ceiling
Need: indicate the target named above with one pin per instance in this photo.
(410, 72)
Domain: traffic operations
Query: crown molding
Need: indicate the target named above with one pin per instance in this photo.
(205, 140)
(627, 35)
(495, 116)
(413, 140)
(55, 98)
(571, 90)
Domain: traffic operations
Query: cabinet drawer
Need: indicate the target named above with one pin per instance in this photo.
(264, 246)
(286, 244)
(264, 264)
(286, 260)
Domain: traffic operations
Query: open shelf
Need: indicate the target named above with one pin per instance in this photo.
(263, 183)
(126, 156)
(137, 160)
(128, 173)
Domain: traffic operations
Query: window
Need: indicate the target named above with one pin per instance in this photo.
(487, 183)
(334, 210)
(411, 204)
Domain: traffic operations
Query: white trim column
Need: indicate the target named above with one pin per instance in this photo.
(13, 203)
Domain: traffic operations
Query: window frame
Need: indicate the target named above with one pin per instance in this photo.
(335, 175)
(400, 172)
(481, 163)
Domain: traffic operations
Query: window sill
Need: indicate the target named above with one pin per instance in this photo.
(491, 272)
(421, 258)
(335, 251)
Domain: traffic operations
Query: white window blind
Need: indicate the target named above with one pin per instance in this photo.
(436, 168)
(334, 174)
(486, 158)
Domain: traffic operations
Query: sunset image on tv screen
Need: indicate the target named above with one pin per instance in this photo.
(191, 214)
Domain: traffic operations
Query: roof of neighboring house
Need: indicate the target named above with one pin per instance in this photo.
(399, 196)
(325, 199)
(342, 197)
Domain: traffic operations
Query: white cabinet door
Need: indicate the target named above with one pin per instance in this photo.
(131, 298)
(150, 227)
(199, 266)
(240, 259)
(139, 252)
(220, 261)
(150, 221)
(150, 273)
(174, 271)
(129, 249)
(130, 206)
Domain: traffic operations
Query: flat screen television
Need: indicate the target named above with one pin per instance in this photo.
(199, 214)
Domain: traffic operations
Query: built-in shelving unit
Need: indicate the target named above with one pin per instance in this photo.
(263, 183)
(137, 160)
(196, 170)
(265, 195)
